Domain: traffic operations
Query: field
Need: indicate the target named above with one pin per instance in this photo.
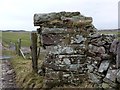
(0, 34)
(115, 32)
(14, 36)
(108, 31)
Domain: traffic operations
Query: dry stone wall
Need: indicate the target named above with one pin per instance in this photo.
(76, 51)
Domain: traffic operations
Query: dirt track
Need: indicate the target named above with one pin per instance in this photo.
(7, 74)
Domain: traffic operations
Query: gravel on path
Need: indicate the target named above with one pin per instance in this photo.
(7, 75)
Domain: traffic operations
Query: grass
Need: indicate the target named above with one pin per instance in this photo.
(0, 35)
(14, 36)
(111, 32)
(25, 77)
(108, 32)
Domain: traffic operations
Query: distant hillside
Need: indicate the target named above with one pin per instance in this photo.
(13, 31)
(102, 30)
(108, 30)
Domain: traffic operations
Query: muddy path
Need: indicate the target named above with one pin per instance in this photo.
(7, 73)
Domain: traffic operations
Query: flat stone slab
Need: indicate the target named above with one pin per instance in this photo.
(111, 75)
(118, 76)
(60, 18)
(104, 66)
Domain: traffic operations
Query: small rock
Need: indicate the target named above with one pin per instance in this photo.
(105, 85)
(111, 83)
(105, 56)
(95, 78)
(10, 80)
(101, 50)
(113, 46)
(66, 61)
(98, 58)
(2, 79)
(90, 68)
(10, 71)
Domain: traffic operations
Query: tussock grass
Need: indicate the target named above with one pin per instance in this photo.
(25, 77)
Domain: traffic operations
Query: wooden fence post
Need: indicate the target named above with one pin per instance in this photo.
(19, 46)
(34, 51)
(16, 48)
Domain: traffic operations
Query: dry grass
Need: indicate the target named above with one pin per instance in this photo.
(25, 77)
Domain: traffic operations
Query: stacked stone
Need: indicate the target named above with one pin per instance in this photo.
(101, 65)
(75, 51)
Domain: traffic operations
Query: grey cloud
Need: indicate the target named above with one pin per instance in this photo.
(104, 12)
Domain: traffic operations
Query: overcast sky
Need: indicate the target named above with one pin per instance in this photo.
(18, 14)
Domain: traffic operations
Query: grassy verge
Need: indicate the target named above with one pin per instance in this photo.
(25, 77)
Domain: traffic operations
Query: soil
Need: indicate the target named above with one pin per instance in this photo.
(8, 75)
